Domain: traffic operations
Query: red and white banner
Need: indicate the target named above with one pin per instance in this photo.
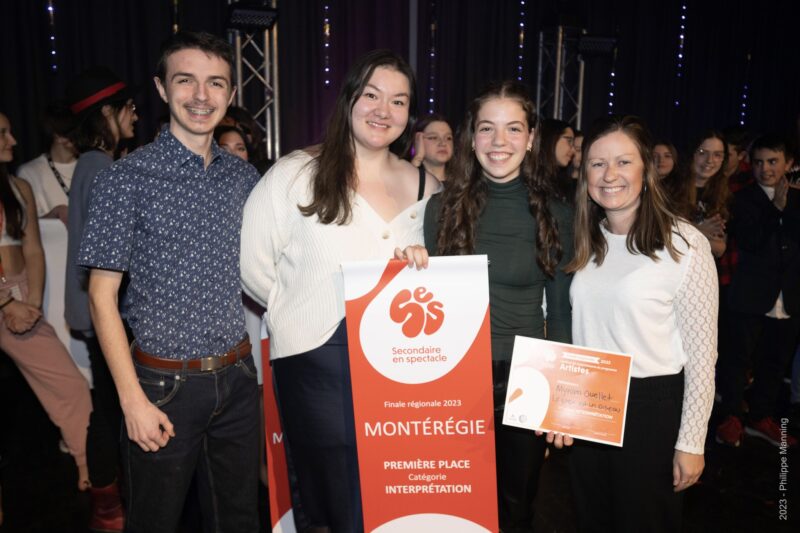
(280, 500)
(420, 360)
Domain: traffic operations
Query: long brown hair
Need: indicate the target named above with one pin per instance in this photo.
(93, 131)
(675, 185)
(466, 191)
(559, 177)
(716, 194)
(652, 230)
(334, 175)
(12, 208)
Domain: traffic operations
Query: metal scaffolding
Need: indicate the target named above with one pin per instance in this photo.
(253, 32)
(560, 76)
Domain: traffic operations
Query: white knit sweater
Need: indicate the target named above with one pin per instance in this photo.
(663, 313)
(292, 263)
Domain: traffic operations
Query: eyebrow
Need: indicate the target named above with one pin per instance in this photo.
(380, 91)
(190, 75)
(507, 124)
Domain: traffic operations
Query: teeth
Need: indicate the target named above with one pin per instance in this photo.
(196, 111)
(376, 125)
(499, 157)
(612, 189)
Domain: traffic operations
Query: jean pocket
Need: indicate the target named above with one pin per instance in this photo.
(248, 367)
(159, 387)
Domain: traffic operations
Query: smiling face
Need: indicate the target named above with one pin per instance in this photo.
(663, 160)
(708, 158)
(615, 176)
(7, 141)
(769, 166)
(198, 90)
(380, 114)
(437, 138)
(502, 138)
(233, 143)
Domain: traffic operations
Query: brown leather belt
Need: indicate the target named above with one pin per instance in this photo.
(203, 364)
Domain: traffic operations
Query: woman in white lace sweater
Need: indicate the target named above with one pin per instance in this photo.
(645, 284)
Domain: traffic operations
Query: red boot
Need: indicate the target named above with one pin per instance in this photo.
(108, 516)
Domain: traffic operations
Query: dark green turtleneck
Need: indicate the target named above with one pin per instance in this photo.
(506, 233)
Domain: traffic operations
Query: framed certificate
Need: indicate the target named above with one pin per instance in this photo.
(563, 388)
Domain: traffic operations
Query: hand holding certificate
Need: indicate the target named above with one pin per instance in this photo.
(569, 390)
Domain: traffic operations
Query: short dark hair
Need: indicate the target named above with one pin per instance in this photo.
(771, 141)
(737, 136)
(57, 119)
(185, 40)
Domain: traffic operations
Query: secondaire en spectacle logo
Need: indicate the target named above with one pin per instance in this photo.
(417, 312)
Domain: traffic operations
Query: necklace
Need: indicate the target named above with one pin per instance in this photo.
(57, 174)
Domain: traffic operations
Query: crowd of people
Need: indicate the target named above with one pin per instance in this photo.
(604, 238)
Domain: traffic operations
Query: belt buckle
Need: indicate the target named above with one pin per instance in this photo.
(210, 363)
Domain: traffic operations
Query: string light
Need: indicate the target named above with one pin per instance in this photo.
(326, 46)
(521, 47)
(52, 36)
(432, 62)
(612, 83)
(681, 42)
(745, 90)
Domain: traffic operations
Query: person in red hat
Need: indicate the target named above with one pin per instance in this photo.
(105, 114)
(169, 215)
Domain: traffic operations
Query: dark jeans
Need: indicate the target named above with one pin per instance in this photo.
(519, 456)
(216, 420)
(105, 422)
(768, 344)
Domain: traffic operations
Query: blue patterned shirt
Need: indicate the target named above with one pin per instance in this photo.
(174, 226)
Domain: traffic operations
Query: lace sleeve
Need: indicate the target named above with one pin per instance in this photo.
(696, 308)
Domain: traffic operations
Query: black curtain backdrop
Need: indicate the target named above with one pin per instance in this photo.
(476, 41)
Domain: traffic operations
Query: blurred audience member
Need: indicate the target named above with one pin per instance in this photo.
(50, 174)
(433, 146)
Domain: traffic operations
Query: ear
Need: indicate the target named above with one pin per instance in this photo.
(789, 163)
(532, 138)
(162, 92)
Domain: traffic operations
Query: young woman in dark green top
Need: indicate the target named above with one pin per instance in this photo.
(496, 203)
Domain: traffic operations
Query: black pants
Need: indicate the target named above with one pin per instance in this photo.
(316, 405)
(766, 343)
(215, 415)
(105, 422)
(519, 458)
(629, 489)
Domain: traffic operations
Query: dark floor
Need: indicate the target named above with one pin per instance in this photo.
(739, 489)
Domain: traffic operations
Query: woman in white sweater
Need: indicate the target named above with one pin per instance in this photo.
(351, 198)
(645, 284)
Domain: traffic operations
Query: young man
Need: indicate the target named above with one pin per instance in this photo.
(50, 174)
(764, 295)
(170, 215)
